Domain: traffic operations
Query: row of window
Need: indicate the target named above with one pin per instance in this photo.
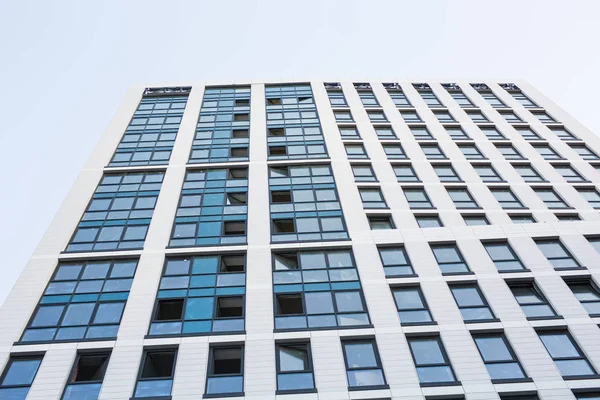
(294, 366)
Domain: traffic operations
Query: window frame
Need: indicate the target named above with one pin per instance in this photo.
(446, 360)
(511, 351)
(379, 366)
(515, 256)
(486, 304)
(12, 357)
(278, 371)
(143, 360)
(425, 306)
(461, 258)
(542, 300)
(210, 368)
(577, 347)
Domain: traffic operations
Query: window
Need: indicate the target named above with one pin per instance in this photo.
(368, 98)
(150, 136)
(588, 295)
(511, 117)
(462, 198)
(410, 116)
(550, 198)
(372, 198)
(201, 294)
(584, 152)
(429, 221)
(294, 368)
(475, 220)
(557, 254)
(18, 376)
(500, 360)
(87, 376)
(377, 116)
(213, 208)
(472, 304)
(591, 195)
(544, 117)
(492, 133)
(527, 133)
(317, 289)
(444, 116)
(471, 152)
(588, 396)
(405, 173)
(528, 173)
(363, 173)
(569, 173)
(431, 361)
(398, 96)
(119, 213)
(456, 133)
(533, 303)
(487, 173)
(378, 222)
(421, 133)
(506, 198)
(509, 152)
(522, 218)
(83, 300)
(385, 132)
(363, 365)
(492, 99)
(411, 305)
(522, 99)
(450, 259)
(394, 151)
(222, 131)
(395, 262)
(156, 373)
(595, 242)
(430, 98)
(356, 151)
(433, 152)
(462, 100)
(563, 133)
(417, 198)
(343, 116)
(314, 212)
(504, 257)
(336, 98)
(568, 357)
(477, 116)
(349, 132)
(446, 173)
(547, 152)
(567, 217)
(225, 375)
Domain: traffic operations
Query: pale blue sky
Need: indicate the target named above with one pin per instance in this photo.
(66, 65)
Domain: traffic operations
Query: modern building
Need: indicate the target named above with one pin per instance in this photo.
(319, 241)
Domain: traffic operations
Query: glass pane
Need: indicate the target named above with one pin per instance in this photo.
(360, 355)
(559, 345)
(227, 384)
(21, 372)
(493, 349)
(505, 371)
(435, 374)
(153, 388)
(348, 301)
(372, 377)
(467, 297)
(295, 381)
(82, 392)
(427, 351)
(574, 367)
(292, 359)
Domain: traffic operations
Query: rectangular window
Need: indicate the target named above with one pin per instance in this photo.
(547, 152)
(462, 198)
(487, 173)
(394, 151)
(377, 116)
(385, 133)
(522, 218)
(380, 222)
(584, 152)
(528, 173)
(405, 173)
(433, 152)
(522, 99)
(462, 100)
(398, 96)
(588, 395)
(563, 133)
(294, 368)
(356, 151)
(431, 361)
(477, 116)
(492, 99)
(506, 198)
(595, 242)
(527, 133)
(587, 293)
(544, 117)
(343, 116)
(456, 133)
(421, 133)
(317, 289)
(200, 295)
(83, 300)
(450, 259)
(222, 131)
(499, 358)
(533, 303)
(476, 220)
(568, 357)
(472, 304)
(569, 173)
(395, 262)
(591, 195)
(471, 152)
(372, 198)
(363, 173)
(87, 376)
(157, 370)
(511, 117)
(417, 198)
(446, 173)
(509, 152)
(19, 373)
(504, 257)
(225, 374)
(444, 116)
(567, 217)
(430, 99)
(348, 132)
(492, 133)
(550, 198)
(429, 221)
(410, 116)
(368, 98)
(118, 216)
(213, 208)
(336, 98)
(363, 365)
(411, 305)
(557, 254)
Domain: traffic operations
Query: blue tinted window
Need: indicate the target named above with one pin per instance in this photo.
(499, 357)
(225, 375)
(363, 366)
(294, 367)
(18, 377)
(87, 376)
(431, 361)
(567, 355)
(156, 374)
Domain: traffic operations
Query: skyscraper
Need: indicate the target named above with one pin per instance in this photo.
(319, 240)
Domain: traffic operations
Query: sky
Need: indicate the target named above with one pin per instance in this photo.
(66, 66)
